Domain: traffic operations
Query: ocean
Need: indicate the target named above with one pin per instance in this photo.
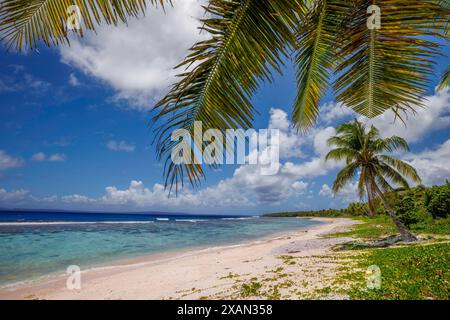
(34, 244)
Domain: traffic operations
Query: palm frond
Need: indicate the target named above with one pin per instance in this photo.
(314, 59)
(387, 68)
(401, 166)
(389, 144)
(248, 40)
(339, 154)
(380, 182)
(445, 80)
(344, 176)
(389, 173)
(24, 23)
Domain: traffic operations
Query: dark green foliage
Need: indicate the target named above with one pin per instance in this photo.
(319, 213)
(357, 209)
(437, 200)
(420, 207)
(409, 208)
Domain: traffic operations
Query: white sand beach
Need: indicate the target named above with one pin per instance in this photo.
(213, 273)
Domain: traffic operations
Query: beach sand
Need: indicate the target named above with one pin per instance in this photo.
(288, 266)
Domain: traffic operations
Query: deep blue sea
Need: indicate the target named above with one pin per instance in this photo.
(34, 244)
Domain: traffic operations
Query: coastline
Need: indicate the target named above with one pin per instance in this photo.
(191, 274)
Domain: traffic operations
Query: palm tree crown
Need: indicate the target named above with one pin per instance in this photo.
(364, 153)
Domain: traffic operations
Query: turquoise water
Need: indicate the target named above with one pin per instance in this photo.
(31, 248)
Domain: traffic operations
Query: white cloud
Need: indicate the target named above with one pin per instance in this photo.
(137, 59)
(325, 191)
(57, 157)
(76, 198)
(290, 142)
(40, 156)
(16, 195)
(349, 193)
(73, 80)
(433, 117)
(114, 145)
(8, 162)
(300, 186)
(320, 140)
(432, 165)
(332, 111)
(139, 196)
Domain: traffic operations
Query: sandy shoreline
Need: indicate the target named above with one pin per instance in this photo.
(201, 273)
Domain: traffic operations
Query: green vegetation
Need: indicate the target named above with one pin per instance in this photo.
(326, 213)
(421, 209)
(412, 272)
(370, 228)
(250, 289)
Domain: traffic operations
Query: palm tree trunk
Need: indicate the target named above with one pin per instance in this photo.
(404, 232)
(370, 200)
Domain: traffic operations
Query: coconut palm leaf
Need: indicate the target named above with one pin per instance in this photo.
(393, 175)
(445, 80)
(315, 58)
(23, 23)
(345, 176)
(387, 68)
(404, 168)
(389, 144)
(339, 154)
(247, 43)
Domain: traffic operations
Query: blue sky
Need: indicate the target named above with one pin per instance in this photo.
(75, 129)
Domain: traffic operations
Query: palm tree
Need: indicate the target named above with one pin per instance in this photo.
(363, 152)
(375, 68)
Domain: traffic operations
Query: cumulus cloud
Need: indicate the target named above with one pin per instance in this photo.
(114, 145)
(41, 156)
(300, 186)
(290, 143)
(325, 191)
(137, 59)
(8, 162)
(73, 80)
(348, 193)
(332, 111)
(434, 116)
(433, 164)
(57, 157)
(248, 186)
(15, 195)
